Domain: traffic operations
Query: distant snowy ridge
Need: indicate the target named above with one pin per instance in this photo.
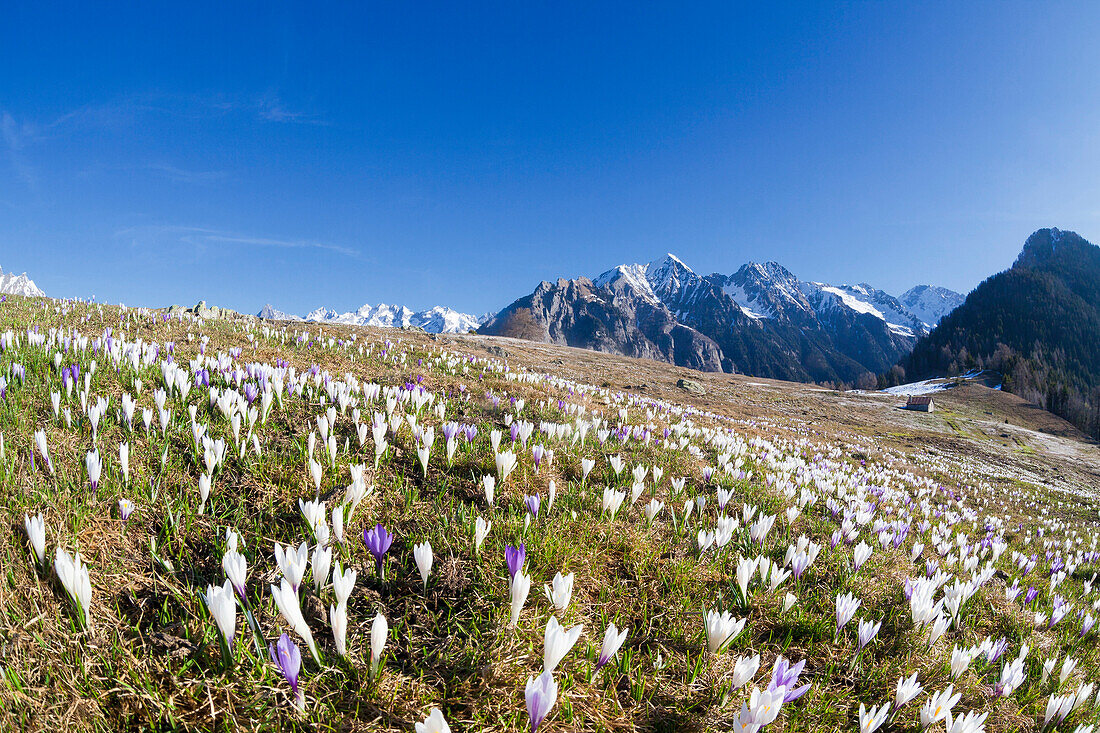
(12, 284)
(433, 320)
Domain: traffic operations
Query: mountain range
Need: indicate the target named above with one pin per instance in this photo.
(1037, 323)
(434, 320)
(12, 284)
(761, 320)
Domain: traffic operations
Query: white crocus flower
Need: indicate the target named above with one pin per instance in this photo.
(422, 554)
(222, 604)
(434, 723)
(36, 534)
(481, 531)
(557, 641)
(652, 509)
(721, 628)
(871, 720)
(521, 586)
(343, 582)
(286, 598)
(907, 689)
(338, 620)
(379, 632)
(322, 561)
(612, 640)
(744, 669)
(292, 563)
(560, 591)
(74, 577)
(204, 491)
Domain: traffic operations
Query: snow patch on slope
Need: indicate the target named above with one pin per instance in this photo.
(865, 299)
(938, 384)
(928, 386)
(748, 304)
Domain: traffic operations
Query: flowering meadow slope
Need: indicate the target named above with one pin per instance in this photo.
(232, 525)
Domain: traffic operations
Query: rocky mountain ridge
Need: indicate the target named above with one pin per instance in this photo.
(761, 320)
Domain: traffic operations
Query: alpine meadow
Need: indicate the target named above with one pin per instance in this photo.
(573, 367)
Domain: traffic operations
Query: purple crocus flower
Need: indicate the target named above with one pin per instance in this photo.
(541, 694)
(785, 675)
(799, 563)
(996, 650)
(288, 660)
(515, 557)
(537, 453)
(1030, 596)
(867, 632)
(532, 503)
(1059, 613)
(908, 587)
(378, 541)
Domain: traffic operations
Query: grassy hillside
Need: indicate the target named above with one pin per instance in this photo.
(796, 484)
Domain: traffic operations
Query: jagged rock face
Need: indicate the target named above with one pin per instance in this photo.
(770, 291)
(761, 320)
(613, 318)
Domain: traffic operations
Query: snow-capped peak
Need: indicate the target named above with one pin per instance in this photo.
(632, 276)
(12, 284)
(668, 274)
(767, 290)
(268, 312)
(668, 262)
(930, 303)
(656, 281)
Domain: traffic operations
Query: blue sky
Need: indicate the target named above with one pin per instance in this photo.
(458, 153)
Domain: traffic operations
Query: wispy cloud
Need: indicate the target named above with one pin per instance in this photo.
(271, 107)
(283, 243)
(202, 236)
(15, 135)
(184, 175)
(22, 138)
